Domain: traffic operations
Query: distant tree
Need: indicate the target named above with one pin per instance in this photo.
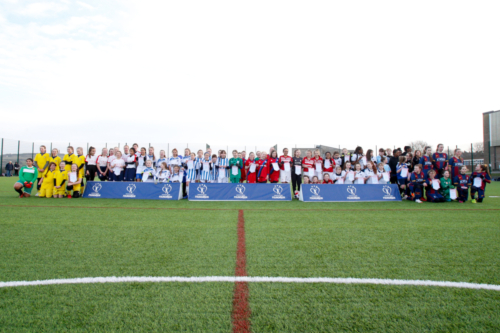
(418, 145)
(478, 147)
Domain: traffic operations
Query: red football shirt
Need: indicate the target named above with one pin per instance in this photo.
(309, 162)
(285, 159)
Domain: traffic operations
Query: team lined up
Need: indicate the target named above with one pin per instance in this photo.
(414, 172)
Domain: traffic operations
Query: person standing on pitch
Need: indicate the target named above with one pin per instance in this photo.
(235, 164)
(41, 163)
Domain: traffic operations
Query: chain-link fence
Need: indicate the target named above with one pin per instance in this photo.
(17, 151)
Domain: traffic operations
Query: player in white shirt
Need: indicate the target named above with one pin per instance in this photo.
(102, 164)
(141, 165)
(163, 175)
(359, 176)
(190, 171)
(338, 176)
(176, 176)
(117, 165)
(371, 174)
(174, 160)
(348, 170)
(90, 165)
(358, 157)
(111, 158)
(149, 173)
(160, 160)
(151, 156)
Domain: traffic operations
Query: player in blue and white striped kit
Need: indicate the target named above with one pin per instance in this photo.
(199, 160)
(223, 168)
(205, 168)
(190, 168)
(213, 169)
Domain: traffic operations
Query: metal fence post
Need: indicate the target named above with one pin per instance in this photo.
(33, 150)
(1, 159)
(87, 146)
(489, 156)
(472, 157)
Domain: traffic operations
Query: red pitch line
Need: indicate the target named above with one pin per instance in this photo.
(260, 209)
(241, 308)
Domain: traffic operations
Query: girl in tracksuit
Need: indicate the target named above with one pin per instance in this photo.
(462, 183)
(296, 166)
(130, 166)
(446, 185)
(440, 160)
(482, 173)
(339, 175)
(432, 194)
(402, 177)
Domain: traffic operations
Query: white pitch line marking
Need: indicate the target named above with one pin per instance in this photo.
(259, 279)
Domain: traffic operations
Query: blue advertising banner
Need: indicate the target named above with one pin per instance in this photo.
(130, 190)
(239, 192)
(349, 193)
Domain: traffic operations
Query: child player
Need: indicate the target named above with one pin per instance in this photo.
(417, 183)
(41, 162)
(222, 166)
(251, 169)
(60, 178)
(273, 167)
(431, 192)
(440, 160)
(285, 163)
(148, 173)
(478, 179)
(446, 185)
(462, 183)
(47, 181)
(28, 175)
(262, 172)
(74, 182)
(235, 164)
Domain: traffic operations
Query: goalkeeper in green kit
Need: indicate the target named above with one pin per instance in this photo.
(235, 165)
(27, 179)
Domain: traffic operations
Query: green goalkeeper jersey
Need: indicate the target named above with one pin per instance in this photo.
(27, 174)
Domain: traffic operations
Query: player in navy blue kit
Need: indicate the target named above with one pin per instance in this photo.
(462, 183)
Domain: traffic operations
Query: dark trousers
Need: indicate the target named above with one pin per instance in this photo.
(296, 181)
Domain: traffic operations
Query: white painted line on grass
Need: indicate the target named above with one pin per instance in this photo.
(261, 279)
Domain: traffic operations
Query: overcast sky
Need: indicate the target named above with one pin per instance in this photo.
(248, 72)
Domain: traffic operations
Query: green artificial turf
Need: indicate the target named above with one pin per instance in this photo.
(68, 238)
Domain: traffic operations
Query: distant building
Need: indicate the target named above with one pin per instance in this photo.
(491, 138)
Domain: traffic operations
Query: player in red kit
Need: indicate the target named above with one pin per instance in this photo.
(285, 163)
(251, 169)
(262, 170)
(273, 167)
(308, 165)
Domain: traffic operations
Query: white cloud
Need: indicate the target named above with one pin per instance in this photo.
(85, 5)
(42, 9)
